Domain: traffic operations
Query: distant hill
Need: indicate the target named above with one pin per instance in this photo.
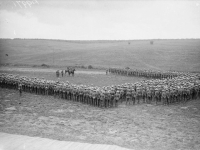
(181, 55)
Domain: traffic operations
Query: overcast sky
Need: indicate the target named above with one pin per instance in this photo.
(100, 19)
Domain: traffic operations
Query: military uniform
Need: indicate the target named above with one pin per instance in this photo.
(128, 96)
(20, 89)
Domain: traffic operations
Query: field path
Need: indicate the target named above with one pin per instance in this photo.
(20, 142)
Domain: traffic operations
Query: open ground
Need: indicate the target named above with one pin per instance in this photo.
(179, 55)
(138, 127)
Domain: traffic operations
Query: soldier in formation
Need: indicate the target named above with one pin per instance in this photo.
(157, 91)
(144, 73)
(57, 73)
(20, 89)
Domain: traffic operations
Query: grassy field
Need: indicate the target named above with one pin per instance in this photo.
(139, 127)
(181, 55)
(85, 77)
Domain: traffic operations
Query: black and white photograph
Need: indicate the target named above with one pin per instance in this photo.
(99, 74)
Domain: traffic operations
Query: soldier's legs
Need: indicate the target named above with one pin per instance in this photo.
(114, 102)
(67, 95)
(144, 98)
(133, 100)
(163, 100)
(109, 102)
(64, 95)
(83, 98)
(60, 94)
(184, 97)
(127, 100)
(57, 94)
(100, 103)
(88, 99)
(150, 99)
(20, 92)
(96, 102)
(178, 98)
(80, 98)
(199, 93)
(147, 99)
(91, 101)
(157, 100)
(141, 99)
(167, 100)
(105, 103)
(138, 99)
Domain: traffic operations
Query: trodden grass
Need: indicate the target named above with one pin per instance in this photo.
(94, 78)
(137, 127)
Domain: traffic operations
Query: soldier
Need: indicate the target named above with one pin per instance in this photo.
(168, 96)
(128, 96)
(102, 99)
(85, 94)
(108, 99)
(157, 95)
(196, 92)
(112, 94)
(98, 98)
(185, 94)
(60, 92)
(57, 73)
(176, 95)
(106, 71)
(81, 94)
(164, 97)
(138, 94)
(62, 73)
(149, 96)
(46, 89)
(171, 99)
(116, 98)
(93, 98)
(20, 89)
(144, 95)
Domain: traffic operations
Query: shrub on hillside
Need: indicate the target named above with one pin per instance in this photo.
(83, 67)
(44, 65)
(90, 67)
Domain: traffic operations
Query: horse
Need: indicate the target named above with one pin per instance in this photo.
(70, 71)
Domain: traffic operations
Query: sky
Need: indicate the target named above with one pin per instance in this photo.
(100, 19)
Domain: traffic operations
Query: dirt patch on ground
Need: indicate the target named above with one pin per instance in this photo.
(138, 127)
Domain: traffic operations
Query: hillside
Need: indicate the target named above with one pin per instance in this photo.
(181, 55)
